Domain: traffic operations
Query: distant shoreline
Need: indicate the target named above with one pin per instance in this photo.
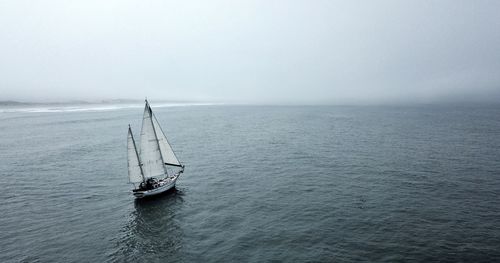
(84, 102)
(14, 104)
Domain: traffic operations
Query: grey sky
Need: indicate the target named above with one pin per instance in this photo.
(254, 51)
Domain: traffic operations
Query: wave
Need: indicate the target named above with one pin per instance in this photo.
(80, 108)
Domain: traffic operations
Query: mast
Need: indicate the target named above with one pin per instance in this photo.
(149, 151)
(156, 136)
(136, 153)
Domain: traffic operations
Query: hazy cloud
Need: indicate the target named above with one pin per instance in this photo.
(264, 51)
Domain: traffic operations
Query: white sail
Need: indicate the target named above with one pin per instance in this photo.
(152, 163)
(134, 168)
(166, 150)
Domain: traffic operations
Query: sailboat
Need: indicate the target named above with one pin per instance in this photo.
(153, 168)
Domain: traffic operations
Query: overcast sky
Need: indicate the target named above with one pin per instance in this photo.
(251, 51)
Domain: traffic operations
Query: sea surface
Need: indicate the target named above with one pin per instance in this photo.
(262, 184)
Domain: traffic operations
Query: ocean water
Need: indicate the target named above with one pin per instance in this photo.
(262, 184)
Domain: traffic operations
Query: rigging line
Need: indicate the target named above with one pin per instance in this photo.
(156, 137)
(161, 129)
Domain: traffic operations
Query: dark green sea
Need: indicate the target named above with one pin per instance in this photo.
(262, 184)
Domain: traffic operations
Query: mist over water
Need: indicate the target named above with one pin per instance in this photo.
(303, 52)
(262, 183)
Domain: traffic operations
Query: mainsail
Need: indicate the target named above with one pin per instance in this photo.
(134, 169)
(151, 157)
(166, 151)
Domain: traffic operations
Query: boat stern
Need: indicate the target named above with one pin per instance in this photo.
(139, 194)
